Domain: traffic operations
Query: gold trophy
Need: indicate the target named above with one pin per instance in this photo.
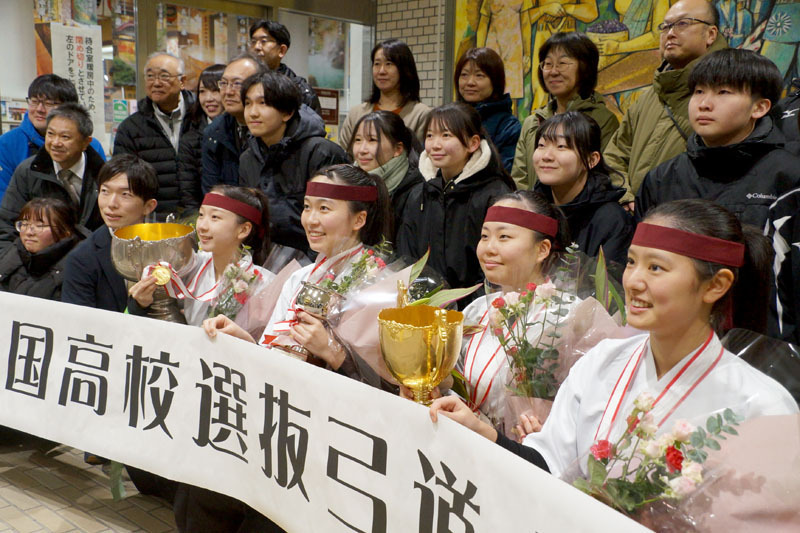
(136, 246)
(420, 345)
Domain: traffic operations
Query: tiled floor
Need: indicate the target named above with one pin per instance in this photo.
(46, 487)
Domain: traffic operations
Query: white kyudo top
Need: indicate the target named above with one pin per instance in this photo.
(200, 282)
(597, 396)
(485, 363)
(283, 316)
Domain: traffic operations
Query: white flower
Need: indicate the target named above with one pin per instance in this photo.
(682, 430)
(644, 402)
(239, 285)
(652, 448)
(681, 486)
(693, 471)
(545, 291)
(511, 298)
(648, 425)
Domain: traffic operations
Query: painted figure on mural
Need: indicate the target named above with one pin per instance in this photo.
(505, 27)
(782, 36)
(735, 20)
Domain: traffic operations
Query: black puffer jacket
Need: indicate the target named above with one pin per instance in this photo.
(746, 178)
(282, 170)
(220, 157)
(596, 218)
(400, 195)
(447, 217)
(39, 274)
(142, 134)
(36, 178)
(307, 94)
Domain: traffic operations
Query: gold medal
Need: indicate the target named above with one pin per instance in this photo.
(162, 274)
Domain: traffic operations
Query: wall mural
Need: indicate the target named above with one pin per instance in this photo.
(625, 33)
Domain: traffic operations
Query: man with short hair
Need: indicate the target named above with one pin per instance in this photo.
(153, 132)
(270, 41)
(66, 167)
(225, 138)
(287, 146)
(656, 126)
(44, 93)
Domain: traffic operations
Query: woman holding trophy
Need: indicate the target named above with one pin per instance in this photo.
(692, 270)
(233, 230)
(345, 211)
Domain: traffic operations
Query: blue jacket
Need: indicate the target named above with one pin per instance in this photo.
(220, 157)
(503, 127)
(21, 143)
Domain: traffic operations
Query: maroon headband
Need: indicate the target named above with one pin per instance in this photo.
(334, 191)
(524, 218)
(689, 244)
(236, 207)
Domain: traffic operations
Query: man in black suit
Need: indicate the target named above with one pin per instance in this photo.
(127, 188)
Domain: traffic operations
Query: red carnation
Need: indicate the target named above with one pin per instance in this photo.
(240, 297)
(498, 303)
(674, 459)
(381, 262)
(513, 350)
(531, 287)
(370, 252)
(602, 450)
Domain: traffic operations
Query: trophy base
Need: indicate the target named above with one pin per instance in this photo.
(165, 308)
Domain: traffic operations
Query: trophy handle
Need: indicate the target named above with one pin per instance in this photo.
(402, 294)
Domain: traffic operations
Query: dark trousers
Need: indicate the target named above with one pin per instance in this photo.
(206, 511)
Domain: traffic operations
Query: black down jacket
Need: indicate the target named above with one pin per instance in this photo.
(745, 178)
(142, 134)
(596, 218)
(282, 170)
(39, 274)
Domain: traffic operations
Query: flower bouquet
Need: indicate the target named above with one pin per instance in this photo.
(640, 468)
(237, 285)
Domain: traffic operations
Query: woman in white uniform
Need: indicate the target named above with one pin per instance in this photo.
(345, 209)
(233, 228)
(692, 270)
(522, 239)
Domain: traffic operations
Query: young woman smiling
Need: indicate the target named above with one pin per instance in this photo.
(463, 175)
(522, 238)
(574, 176)
(691, 269)
(344, 210)
(230, 218)
(385, 147)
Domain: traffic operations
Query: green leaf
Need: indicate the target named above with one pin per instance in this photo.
(416, 270)
(597, 471)
(714, 445)
(443, 298)
(731, 417)
(601, 279)
(695, 455)
(582, 484)
(697, 440)
(730, 430)
(713, 424)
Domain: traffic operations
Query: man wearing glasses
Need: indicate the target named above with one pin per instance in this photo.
(270, 41)
(154, 131)
(44, 93)
(655, 127)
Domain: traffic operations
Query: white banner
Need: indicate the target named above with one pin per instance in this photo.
(78, 56)
(313, 450)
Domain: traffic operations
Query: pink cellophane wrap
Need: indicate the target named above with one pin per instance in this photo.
(587, 324)
(358, 321)
(261, 305)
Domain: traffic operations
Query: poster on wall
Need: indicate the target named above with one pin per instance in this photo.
(77, 56)
(626, 35)
(326, 52)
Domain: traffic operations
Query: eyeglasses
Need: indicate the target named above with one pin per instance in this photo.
(48, 104)
(680, 25)
(161, 76)
(235, 85)
(263, 41)
(561, 66)
(24, 225)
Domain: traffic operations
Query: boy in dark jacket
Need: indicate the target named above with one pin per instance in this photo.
(736, 156)
(287, 146)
